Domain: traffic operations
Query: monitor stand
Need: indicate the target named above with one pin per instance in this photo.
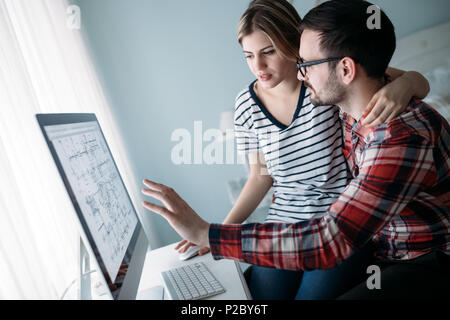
(85, 274)
(154, 293)
(85, 288)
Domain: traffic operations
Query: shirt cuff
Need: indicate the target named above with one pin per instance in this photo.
(225, 241)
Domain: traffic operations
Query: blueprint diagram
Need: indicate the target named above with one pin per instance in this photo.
(99, 191)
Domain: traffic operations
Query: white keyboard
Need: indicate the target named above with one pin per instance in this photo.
(191, 282)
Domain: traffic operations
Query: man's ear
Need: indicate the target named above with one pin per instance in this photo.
(347, 70)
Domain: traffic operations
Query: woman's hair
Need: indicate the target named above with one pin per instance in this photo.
(278, 20)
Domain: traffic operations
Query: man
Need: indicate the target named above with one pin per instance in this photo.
(399, 197)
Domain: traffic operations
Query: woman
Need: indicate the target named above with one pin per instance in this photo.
(296, 147)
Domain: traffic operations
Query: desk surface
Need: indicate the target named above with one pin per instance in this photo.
(227, 272)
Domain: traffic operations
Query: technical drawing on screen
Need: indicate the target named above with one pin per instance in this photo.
(97, 191)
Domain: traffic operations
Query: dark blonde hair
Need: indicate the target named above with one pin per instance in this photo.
(278, 20)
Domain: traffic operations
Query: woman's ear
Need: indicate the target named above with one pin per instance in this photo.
(347, 70)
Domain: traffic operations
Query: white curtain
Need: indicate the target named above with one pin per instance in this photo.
(44, 68)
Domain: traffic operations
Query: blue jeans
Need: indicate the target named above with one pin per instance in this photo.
(276, 284)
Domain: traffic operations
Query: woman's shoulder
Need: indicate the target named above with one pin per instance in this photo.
(244, 92)
(243, 97)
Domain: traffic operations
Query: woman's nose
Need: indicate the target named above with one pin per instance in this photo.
(260, 64)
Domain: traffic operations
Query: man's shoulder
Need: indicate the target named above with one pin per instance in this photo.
(419, 112)
(419, 121)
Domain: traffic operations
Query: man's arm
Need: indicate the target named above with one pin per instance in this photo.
(391, 176)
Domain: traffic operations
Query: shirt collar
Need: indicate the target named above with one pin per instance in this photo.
(356, 126)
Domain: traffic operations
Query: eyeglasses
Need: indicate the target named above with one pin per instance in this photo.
(301, 65)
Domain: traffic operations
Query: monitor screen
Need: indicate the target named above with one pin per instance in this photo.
(101, 201)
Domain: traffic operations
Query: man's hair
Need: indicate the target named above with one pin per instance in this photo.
(278, 20)
(344, 32)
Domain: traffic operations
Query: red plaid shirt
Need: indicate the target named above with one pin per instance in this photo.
(399, 198)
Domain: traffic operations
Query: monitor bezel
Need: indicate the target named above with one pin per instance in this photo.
(71, 118)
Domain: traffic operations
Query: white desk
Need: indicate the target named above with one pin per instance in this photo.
(227, 272)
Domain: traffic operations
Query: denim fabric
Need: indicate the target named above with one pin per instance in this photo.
(275, 284)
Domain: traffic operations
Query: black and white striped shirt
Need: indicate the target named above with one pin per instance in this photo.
(304, 159)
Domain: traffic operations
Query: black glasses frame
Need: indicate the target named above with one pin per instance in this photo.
(301, 65)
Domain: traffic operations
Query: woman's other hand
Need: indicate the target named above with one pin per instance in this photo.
(184, 245)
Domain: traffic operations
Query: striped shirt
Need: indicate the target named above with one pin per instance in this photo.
(399, 198)
(304, 159)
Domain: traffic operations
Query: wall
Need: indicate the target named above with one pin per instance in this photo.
(166, 64)
(409, 16)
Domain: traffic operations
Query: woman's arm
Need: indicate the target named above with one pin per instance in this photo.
(419, 85)
(393, 98)
(256, 187)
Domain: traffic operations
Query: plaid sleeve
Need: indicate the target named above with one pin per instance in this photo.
(306, 245)
(391, 174)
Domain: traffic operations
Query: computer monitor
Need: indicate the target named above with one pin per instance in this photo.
(109, 224)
